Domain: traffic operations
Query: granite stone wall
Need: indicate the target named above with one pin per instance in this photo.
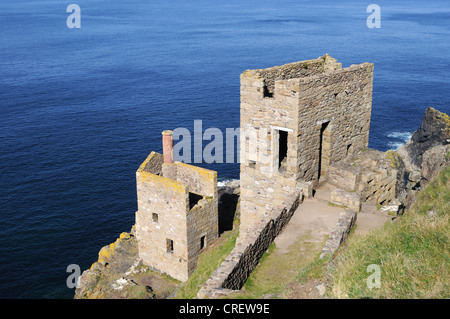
(340, 232)
(372, 175)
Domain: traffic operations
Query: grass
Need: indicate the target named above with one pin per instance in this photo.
(277, 270)
(412, 253)
(315, 270)
(336, 205)
(208, 262)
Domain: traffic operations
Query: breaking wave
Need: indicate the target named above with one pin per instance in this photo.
(397, 139)
(224, 182)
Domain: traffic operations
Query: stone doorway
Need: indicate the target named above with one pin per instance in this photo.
(324, 150)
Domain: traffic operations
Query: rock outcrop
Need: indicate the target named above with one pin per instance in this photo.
(119, 274)
(434, 131)
(426, 153)
(433, 161)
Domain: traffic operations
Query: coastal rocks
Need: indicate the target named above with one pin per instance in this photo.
(426, 153)
(119, 274)
(114, 258)
(420, 153)
(433, 161)
(434, 130)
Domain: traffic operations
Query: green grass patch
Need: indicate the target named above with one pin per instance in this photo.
(278, 269)
(336, 205)
(412, 253)
(208, 262)
(315, 270)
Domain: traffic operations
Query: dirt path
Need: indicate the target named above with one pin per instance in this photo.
(314, 217)
(307, 231)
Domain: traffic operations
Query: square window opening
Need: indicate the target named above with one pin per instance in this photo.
(282, 150)
(169, 245)
(267, 93)
(202, 242)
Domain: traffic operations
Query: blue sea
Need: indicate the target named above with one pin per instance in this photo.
(80, 109)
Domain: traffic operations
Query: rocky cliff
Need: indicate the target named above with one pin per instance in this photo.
(426, 153)
(434, 131)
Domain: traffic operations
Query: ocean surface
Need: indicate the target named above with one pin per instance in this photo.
(80, 109)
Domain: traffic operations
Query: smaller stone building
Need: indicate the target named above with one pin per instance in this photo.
(177, 213)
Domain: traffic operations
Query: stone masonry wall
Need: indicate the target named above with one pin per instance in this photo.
(235, 269)
(200, 180)
(202, 221)
(295, 70)
(343, 99)
(371, 175)
(153, 164)
(169, 200)
(340, 232)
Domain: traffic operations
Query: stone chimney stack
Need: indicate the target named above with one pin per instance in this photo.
(167, 146)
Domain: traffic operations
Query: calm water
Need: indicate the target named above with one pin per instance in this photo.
(82, 108)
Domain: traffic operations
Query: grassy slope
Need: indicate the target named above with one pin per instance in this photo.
(413, 253)
(208, 262)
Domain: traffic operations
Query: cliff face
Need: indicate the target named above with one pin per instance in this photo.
(434, 131)
(119, 274)
(427, 152)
